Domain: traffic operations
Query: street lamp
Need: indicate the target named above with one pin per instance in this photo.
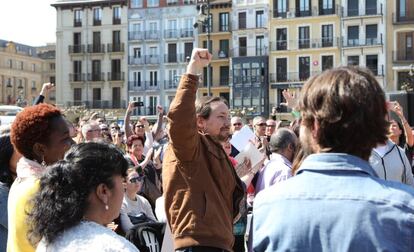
(204, 20)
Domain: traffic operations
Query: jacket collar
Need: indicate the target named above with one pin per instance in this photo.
(336, 162)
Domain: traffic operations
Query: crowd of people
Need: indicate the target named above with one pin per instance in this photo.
(338, 178)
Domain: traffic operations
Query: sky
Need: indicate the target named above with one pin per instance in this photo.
(29, 22)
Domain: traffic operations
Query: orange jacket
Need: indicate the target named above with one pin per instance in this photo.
(201, 189)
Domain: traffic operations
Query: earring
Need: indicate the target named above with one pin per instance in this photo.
(43, 161)
(106, 207)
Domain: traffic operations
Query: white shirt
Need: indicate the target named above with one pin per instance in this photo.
(277, 170)
(87, 236)
(131, 207)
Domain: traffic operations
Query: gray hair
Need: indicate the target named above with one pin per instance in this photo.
(281, 139)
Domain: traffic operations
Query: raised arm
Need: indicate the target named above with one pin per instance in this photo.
(183, 130)
(45, 90)
(409, 139)
(157, 128)
(127, 119)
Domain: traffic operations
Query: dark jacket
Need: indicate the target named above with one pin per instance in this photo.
(201, 189)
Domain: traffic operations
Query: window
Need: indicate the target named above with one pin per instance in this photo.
(242, 46)
(77, 94)
(136, 79)
(33, 84)
(137, 52)
(116, 41)
(281, 39)
(327, 35)
(224, 48)
(281, 8)
(353, 35)
(172, 52)
(77, 18)
(304, 68)
(402, 8)
(136, 4)
(77, 70)
(116, 69)
(97, 16)
(210, 44)
(10, 63)
(116, 97)
(326, 7)
(224, 22)
(353, 60)
(153, 79)
(260, 19)
(171, 31)
(260, 47)
(96, 70)
(188, 48)
(33, 67)
(353, 7)
(172, 78)
(77, 47)
(224, 75)
(371, 34)
(96, 98)
(152, 3)
(116, 15)
(371, 7)
(96, 40)
(327, 62)
(281, 70)
(242, 20)
(153, 26)
(52, 66)
(153, 51)
(304, 8)
(372, 63)
(172, 2)
(153, 102)
(304, 41)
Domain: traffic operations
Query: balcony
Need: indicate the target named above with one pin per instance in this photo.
(77, 77)
(104, 104)
(97, 22)
(116, 76)
(224, 80)
(116, 20)
(136, 35)
(136, 86)
(242, 24)
(173, 58)
(171, 33)
(397, 18)
(377, 70)
(136, 61)
(362, 42)
(73, 49)
(403, 56)
(187, 33)
(363, 12)
(152, 59)
(170, 84)
(291, 76)
(215, 29)
(152, 35)
(152, 85)
(221, 54)
(77, 22)
(249, 51)
(119, 47)
(294, 13)
(96, 76)
(96, 48)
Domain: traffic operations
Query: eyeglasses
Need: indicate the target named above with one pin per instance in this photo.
(136, 179)
(237, 124)
(114, 127)
(140, 126)
(104, 129)
(261, 124)
(94, 130)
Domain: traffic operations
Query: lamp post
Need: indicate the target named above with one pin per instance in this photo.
(204, 20)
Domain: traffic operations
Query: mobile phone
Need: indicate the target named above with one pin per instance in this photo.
(138, 104)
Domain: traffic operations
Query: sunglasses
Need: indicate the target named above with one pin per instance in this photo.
(140, 126)
(104, 129)
(136, 179)
(115, 128)
(261, 124)
(237, 124)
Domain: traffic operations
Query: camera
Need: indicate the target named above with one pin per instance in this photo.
(138, 104)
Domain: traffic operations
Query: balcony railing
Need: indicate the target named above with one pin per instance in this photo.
(99, 48)
(171, 33)
(116, 21)
(215, 29)
(76, 77)
(187, 33)
(116, 47)
(400, 19)
(403, 55)
(363, 42)
(97, 22)
(174, 58)
(152, 35)
(76, 48)
(242, 24)
(170, 84)
(77, 22)
(363, 12)
(136, 61)
(116, 76)
(98, 104)
(136, 85)
(96, 76)
(224, 81)
(296, 12)
(152, 59)
(152, 85)
(291, 76)
(221, 54)
(250, 51)
(136, 35)
(377, 70)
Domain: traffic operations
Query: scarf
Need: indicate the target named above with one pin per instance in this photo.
(28, 168)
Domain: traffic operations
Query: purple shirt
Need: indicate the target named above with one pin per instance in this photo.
(278, 169)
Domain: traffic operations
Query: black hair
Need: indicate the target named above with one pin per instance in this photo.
(6, 153)
(62, 199)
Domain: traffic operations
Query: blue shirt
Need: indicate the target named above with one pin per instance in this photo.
(4, 193)
(335, 203)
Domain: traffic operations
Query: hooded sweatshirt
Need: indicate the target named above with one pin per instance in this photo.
(391, 163)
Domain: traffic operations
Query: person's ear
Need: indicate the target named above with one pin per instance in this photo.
(201, 123)
(39, 150)
(103, 193)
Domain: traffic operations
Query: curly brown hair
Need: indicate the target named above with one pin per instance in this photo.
(133, 138)
(33, 125)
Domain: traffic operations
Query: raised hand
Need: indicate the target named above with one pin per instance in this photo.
(200, 58)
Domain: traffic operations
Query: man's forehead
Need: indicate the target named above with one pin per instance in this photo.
(270, 122)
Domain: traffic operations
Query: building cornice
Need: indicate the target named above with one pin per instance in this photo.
(84, 4)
